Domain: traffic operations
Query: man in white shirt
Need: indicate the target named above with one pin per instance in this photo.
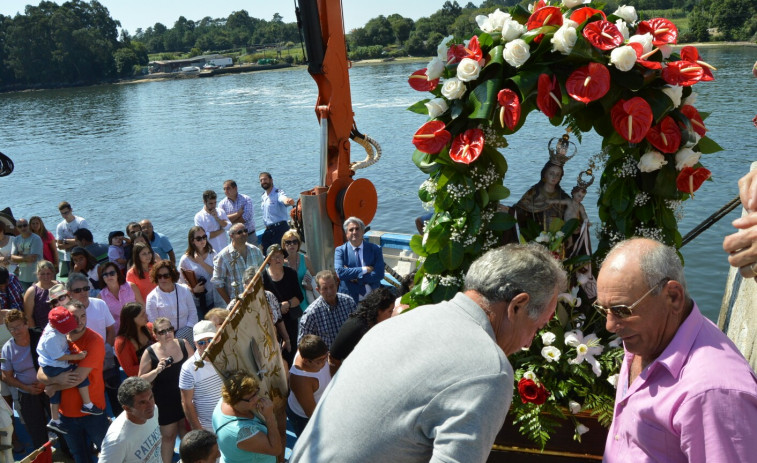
(99, 318)
(200, 387)
(134, 436)
(214, 221)
(64, 233)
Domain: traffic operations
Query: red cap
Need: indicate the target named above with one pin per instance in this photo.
(62, 320)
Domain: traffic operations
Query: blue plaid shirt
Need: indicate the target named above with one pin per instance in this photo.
(324, 320)
(13, 296)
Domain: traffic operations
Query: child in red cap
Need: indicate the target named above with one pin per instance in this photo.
(54, 357)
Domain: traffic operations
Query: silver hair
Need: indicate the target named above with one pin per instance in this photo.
(350, 220)
(656, 262)
(503, 273)
(130, 388)
(249, 274)
(75, 277)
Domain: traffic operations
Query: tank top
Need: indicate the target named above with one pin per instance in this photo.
(323, 376)
(41, 307)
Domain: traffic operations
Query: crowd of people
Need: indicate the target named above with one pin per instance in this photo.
(111, 358)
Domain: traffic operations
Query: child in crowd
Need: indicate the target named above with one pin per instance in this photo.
(54, 357)
(308, 378)
(116, 250)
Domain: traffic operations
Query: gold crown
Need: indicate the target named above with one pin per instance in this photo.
(558, 154)
(585, 184)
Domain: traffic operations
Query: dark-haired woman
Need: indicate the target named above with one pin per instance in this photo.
(85, 263)
(134, 335)
(375, 308)
(171, 300)
(283, 283)
(49, 246)
(143, 259)
(116, 290)
(198, 259)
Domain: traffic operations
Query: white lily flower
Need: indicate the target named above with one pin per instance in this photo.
(570, 298)
(548, 338)
(551, 353)
(581, 429)
(574, 406)
(586, 348)
(613, 379)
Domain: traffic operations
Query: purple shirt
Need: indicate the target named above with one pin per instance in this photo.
(697, 402)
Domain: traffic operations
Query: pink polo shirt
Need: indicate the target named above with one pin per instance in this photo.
(697, 402)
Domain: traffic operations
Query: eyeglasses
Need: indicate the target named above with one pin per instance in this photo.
(255, 394)
(64, 213)
(624, 311)
(170, 329)
(291, 242)
(163, 276)
(79, 290)
(202, 342)
(201, 238)
(59, 299)
(16, 329)
(240, 232)
(22, 225)
(112, 273)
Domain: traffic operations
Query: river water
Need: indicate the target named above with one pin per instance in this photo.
(119, 153)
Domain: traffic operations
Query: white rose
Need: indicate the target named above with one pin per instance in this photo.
(691, 99)
(613, 379)
(441, 50)
(435, 68)
(453, 88)
(644, 39)
(498, 18)
(511, 30)
(436, 107)
(548, 338)
(572, 3)
(666, 51)
(565, 39)
(628, 13)
(674, 92)
(652, 161)
(686, 158)
(530, 375)
(581, 429)
(468, 69)
(623, 28)
(623, 58)
(574, 406)
(483, 23)
(516, 52)
(567, 22)
(551, 353)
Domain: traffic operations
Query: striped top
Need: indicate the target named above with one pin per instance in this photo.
(207, 388)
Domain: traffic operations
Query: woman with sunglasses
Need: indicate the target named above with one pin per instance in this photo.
(243, 437)
(36, 305)
(171, 300)
(49, 248)
(134, 334)
(143, 259)
(298, 261)
(197, 261)
(283, 283)
(116, 290)
(161, 365)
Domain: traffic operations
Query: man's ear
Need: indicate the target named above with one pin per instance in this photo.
(517, 305)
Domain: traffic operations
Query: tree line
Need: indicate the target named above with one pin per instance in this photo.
(79, 42)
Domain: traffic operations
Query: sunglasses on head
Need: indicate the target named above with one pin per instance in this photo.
(201, 238)
(162, 276)
(625, 311)
(111, 273)
(170, 329)
(80, 290)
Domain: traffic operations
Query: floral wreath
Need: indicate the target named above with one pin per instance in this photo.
(576, 65)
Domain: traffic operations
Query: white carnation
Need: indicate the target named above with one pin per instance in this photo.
(644, 39)
(468, 69)
(674, 92)
(628, 13)
(691, 99)
(565, 39)
(551, 353)
(572, 3)
(516, 52)
(453, 89)
(686, 157)
(511, 30)
(548, 338)
(436, 107)
(652, 161)
(623, 28)
(435, 68)
(623, 58)
(574, 406)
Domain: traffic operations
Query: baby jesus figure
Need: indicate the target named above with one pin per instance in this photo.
(573, 207)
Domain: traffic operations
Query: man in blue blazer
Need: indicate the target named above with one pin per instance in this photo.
(359, 264)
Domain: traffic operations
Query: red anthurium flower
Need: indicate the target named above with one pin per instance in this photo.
(431, 137)
(467, 146)
(665, 136)
(539, 4)
(685, 73)
(456, 53)
(419, 81)
(632, 119)
(474, 49)
(689, 53)
(529, 391)
(603, 35)
(641, 57)
(588, 83)
(548, 96)
(663, 31)
(696, 120)
(509, 113)
(582, 14)
(689, 179)
(545, 16)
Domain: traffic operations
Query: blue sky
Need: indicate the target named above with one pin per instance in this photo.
(144, 13)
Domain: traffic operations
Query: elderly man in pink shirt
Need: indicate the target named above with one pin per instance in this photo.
(684, 393)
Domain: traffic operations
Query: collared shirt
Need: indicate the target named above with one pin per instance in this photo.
(161, 244)
(13, 296)
(274, 206)
(229, 267)
(230, 207)
(359, 250)
(324, 320)
(696, 402)
(210, 224)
